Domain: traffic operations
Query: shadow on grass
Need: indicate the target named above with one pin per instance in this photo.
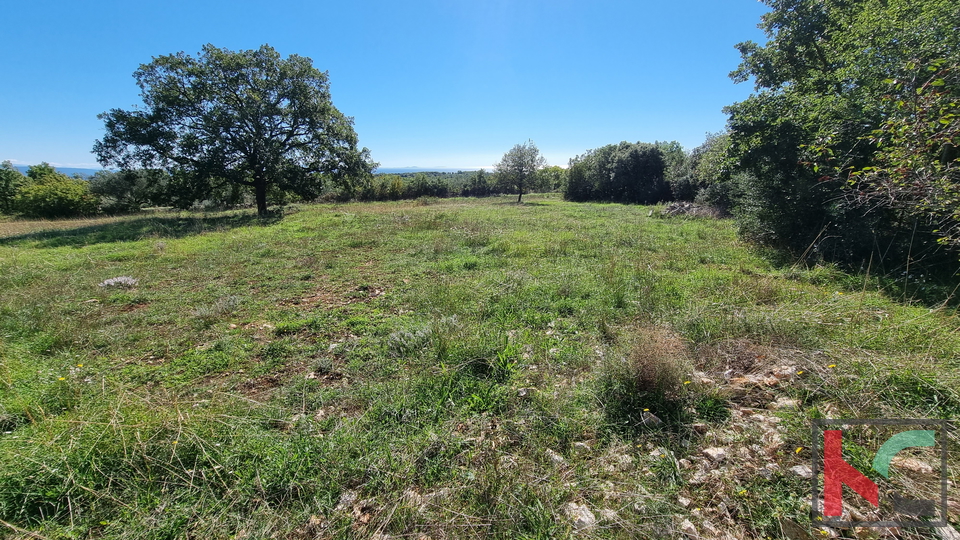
(140, 228)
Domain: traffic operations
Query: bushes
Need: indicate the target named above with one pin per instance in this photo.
(625, 172)
(10, 182)
(56, 196)
(129, 191)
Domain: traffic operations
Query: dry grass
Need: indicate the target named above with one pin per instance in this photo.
(19, 227)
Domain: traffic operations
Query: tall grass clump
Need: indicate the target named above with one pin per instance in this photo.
(641, 382)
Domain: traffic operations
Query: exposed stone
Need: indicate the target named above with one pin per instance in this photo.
(580, 515)
(947, 533)
(715, 454)
(582, 448)
(650, 420)
(911, 464)
(784, 403)
(710, 529)
(785, 372)
(688, 529)
(684, 502)
(827, 532)
(803, 471)
(556, 458)
(347, 498)
(793, 530)
(608, 515)
(413, 498)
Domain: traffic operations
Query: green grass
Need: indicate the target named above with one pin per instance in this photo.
(416, 368)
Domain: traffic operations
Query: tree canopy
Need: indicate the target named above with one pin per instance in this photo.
(625, 172)
(835, 81)
(517, 170)
(249, 117)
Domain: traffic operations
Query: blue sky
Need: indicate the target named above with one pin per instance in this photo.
(439, 83)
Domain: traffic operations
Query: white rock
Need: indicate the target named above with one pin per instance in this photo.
(688, 529)
(784, 404)
(715, 454)
(684, 502)
(650, 420)
(581, 516)
(347, 499)
(556, 458)
(582, 448)
(608, 515)
(803, 471)
(911, 464)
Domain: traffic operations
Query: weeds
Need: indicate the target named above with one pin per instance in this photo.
(403, 369)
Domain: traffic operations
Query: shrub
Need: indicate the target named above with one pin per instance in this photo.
(10, 181)
(56, 196)
(625, 172)
(644, 386)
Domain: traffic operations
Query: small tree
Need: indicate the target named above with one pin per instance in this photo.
(248, 117)
(518, 166)
(10, 181)
(917, 166)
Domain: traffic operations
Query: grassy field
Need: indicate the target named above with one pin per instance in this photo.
(437, 369)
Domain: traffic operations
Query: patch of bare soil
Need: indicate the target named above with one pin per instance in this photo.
(328, 296)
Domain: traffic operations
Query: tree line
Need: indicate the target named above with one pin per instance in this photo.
(847, 151)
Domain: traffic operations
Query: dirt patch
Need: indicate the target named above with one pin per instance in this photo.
(329, 297)
(739, 357)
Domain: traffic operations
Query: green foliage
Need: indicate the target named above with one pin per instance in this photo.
(517, 170)
(822, 79)
(478, 185)
(130, 191)
(10, 181)
(247, 117)
(50, 194)
(550, 179)
(917, 165)
(625, 172)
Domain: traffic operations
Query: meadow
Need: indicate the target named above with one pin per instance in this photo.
(455, 368)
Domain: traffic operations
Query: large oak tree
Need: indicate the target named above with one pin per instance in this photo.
(249, 117)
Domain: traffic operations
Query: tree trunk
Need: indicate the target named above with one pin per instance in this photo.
(520, 197)
(260, 187)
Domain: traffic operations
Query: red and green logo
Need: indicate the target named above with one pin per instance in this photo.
(895, 472)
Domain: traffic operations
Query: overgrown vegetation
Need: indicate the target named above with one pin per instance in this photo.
(848, 143)
(448, 368)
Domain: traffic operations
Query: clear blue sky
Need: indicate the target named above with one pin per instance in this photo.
(430, 83)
